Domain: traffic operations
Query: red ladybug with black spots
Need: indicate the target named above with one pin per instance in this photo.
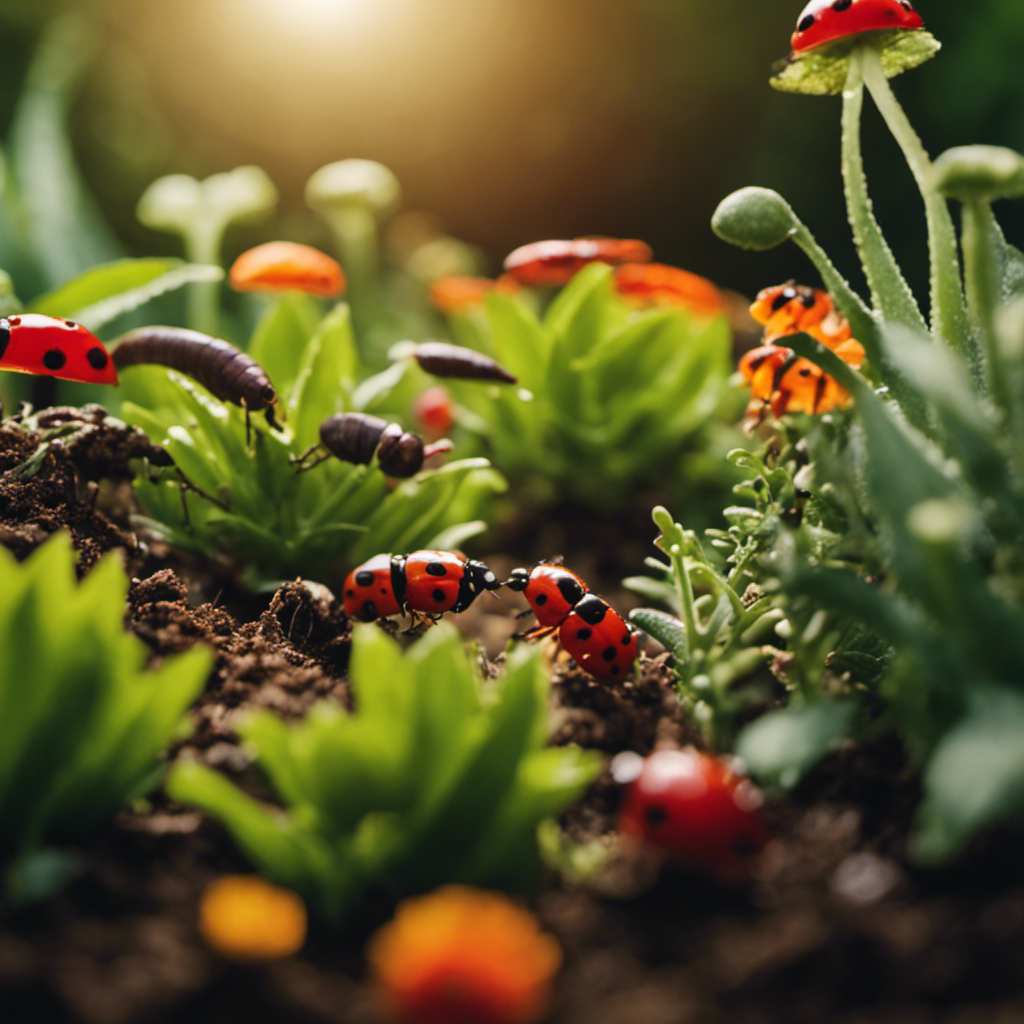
(427, 582)
(50, 347)
(826, 21)
(588, 627)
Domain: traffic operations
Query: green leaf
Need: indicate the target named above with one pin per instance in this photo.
(781, 746)
(975, 777)
(110, 290)
(668, 630)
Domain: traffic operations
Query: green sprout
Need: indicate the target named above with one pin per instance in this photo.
(608, 398)
(932, 464)
(437, 777)
(82, 724)
(201, 212)
(225, 495)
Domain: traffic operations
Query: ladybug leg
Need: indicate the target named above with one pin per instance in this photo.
(300, 461)
(537, 633)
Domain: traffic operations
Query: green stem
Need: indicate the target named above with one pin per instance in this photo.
(981, 275)
(202, 245)
(355, 234)
(684, 590)
(949, 315)
(890, 293)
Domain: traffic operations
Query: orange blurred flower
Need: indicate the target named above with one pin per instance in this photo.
(659, 285)
(455, 294)
(249, 920)
(287, 266)
(433, 411)
(463, 956)
(557, 261)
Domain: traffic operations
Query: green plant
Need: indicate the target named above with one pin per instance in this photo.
(436, 778)
(609, 397)
(251, 501)
(81, 723)
(934, 461)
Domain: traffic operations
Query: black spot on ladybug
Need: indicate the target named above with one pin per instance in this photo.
(541, 599)
(383, 590)
(364, 578)
(585, 633)
(369, 611)
(438, 595)
(779, 301)
(807, 297)
(98, 359)
(571, 589)
(804, 371)
(54, 359)
(609, 653)
(350, 592)
(842, 5)
(655, 815)
(436, 569)
(591, 609)
(805, 23)
(5, 336)
(70, 323)
(626, 639)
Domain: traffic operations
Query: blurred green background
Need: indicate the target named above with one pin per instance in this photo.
(506, 120)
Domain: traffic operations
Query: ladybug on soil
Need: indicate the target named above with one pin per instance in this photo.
(427, 582)
(588, 627)
(51, 347)
(825, 21)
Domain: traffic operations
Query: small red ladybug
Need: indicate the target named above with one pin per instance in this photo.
(825, 21)
(588, 627)
(693, 807)
(428, 582)
(434, 412)
(50, 347)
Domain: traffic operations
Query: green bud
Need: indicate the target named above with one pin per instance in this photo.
(754, 218)
(980, 172)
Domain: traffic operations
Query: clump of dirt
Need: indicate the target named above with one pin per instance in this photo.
(69, 469)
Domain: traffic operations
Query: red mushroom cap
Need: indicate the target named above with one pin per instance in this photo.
(825, 21)
(557, 261)
(287, 266)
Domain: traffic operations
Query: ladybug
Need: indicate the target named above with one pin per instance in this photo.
(791, 307)
(825, 21)
(51, 347)
(695, 808)
(588, 627)
(557, 261)
(428, 582)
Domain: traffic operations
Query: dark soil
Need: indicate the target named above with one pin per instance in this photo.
(833, 926)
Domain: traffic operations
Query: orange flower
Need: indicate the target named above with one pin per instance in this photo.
(657, 284)
(455, 294)
(462, 956)
(247, 919)
(558, 261)
(791, 307)
(287, 266)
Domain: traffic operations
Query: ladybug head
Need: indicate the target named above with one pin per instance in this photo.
(519, 580)
(481, 576)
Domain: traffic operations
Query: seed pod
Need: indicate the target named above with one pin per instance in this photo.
(225, 371)
(444, 360)
(356, 436)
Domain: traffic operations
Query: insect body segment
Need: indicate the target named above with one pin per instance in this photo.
(588, 627)
(225, 371)
(50, 347)
(428, 582)
(826, 21)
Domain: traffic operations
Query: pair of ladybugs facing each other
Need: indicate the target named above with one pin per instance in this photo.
(433, 582)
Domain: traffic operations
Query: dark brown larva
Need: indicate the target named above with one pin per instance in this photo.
(355, 436)
(225, 371)
(444, 360)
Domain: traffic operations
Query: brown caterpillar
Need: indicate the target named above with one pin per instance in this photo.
(357, 436)
(444, 360)
(225, 371)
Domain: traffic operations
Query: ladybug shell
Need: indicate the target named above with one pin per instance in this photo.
(557, 261)
(788, 308)
(433, 581)
(369, 591)
(45, 345)
(553, 592)
(598, 638)
(696, 809)
(825, 21)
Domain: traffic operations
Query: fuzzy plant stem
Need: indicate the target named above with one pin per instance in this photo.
(949, 315)
(890, 293)
(355, 235)
(981, 275)
(202, 245)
